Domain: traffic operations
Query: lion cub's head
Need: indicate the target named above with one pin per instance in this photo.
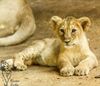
(70, 29)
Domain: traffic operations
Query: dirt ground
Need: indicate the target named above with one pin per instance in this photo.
(49, 76)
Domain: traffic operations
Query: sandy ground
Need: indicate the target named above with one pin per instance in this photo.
(49, 76)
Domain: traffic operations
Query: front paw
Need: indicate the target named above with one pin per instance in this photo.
(67, 71)
(20, 66)
(81, 70)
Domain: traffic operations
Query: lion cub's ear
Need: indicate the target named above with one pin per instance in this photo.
(85, 22)
(54, 22)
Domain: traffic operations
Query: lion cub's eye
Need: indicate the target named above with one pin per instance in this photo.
(62, 30)
(73, 30)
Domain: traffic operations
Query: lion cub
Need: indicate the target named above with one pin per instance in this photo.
(70, 51)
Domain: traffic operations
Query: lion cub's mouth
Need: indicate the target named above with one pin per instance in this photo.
(69, 44)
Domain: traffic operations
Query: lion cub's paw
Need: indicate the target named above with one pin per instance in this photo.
(81, 70)
(20, 66)
(67, 71)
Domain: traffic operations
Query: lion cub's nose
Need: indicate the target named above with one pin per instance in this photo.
(67, 41)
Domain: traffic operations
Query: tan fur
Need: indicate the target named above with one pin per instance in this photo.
(16, 22)
(70, 51)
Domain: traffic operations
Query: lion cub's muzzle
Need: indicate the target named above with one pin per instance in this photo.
(67, 41)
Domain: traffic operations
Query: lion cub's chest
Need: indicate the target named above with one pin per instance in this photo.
(74, 54)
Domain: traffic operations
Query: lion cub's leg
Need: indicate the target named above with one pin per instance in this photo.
(28, 55)
(65, 66)
(86, 65)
